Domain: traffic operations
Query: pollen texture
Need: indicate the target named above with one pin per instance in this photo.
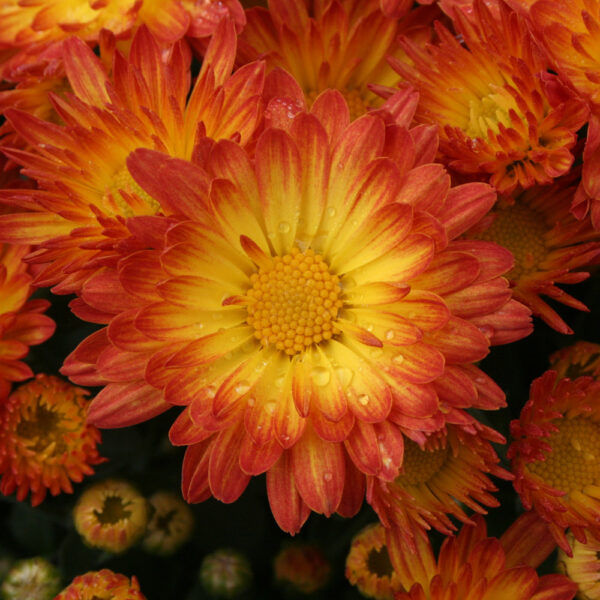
(420, 465)
(575, 458)
(294, 302)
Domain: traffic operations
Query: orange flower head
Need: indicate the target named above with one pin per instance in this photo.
(302, 567)
(549, 246)
(500, 114)
(312, 310)
(22, 323)
(555, 455)
(102, 585)
(437, 480)
(582, 567)
(582, 358)
(45, 442)
(111, 515)
(474, 566)
(368, 565)
(86, 191)
(334, 44)
(170, 526)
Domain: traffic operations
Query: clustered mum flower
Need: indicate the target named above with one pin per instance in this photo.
(111, 515)
(22, 323)
(554, 455)
(102, 585)
(45, 441)
(307, 338)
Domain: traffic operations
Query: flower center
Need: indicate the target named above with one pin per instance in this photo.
(419, 465)
(117, 205)
(294, 302)
(356, 103)
(487, 112)
(379, 563)
(575, 458)
(521, 230)
(39, 426)
(113, 511)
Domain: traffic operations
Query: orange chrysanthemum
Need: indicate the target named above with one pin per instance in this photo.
(45, 442)
(301, 568)
(555, 455)
(472, 566)
(500, 113)
(368, 565)
(549, 245)
(313, 309)
(582, 358)
(439, 479)
(334, 44)
(111, 515)
(22, 323)
(102, 585)
(86, 192)
(583, 567)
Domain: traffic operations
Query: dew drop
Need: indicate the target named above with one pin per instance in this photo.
(251, 401)
(270, 407)
(363, 399)
(284, 227)
(375, 352)
(344, 376)
(199, 325)
(389, 334)
(327, 476)
(210, 391)
(321, 376)
(242, 387)
(279, 382)
(398, 359)
(331, 211)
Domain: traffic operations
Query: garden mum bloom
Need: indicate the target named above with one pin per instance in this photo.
(171, 523)
(111, 515)
(45, 442)
(31, 578)
(225, 573)
(438, 479)
(554, 455)
(22, 323)
(501, 115)
(85, 192)
(583, 567)
(302, 568)
(368, 565)
(582, 358)
(549, 245)
(471, 566)
(102, 585)
(312, 310)
(340, 45)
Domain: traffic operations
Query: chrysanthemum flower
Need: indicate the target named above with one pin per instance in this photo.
(225, 573)
(302, 568)
(313, 310)
(31, 578)
(439, 479)
(549, 245)
(22, 323)
(45, 442)
(583, 567)
(582, 358)
(171, 523)
(102, 585)
(471, 566)
(86, 192)
(341, 45)
(555, 456)
(111, 515)
(368, 565)
(500, 113)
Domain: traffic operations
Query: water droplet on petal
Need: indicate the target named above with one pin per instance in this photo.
(389, 334)
(279, 382)
(327, 476)
(331, 211)
(270, 407)
(363, 399)
(284, 227)
(251, 401)
(398, 359)
(242, 387)
(210, 391)
(321, 376)
(344, 376)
